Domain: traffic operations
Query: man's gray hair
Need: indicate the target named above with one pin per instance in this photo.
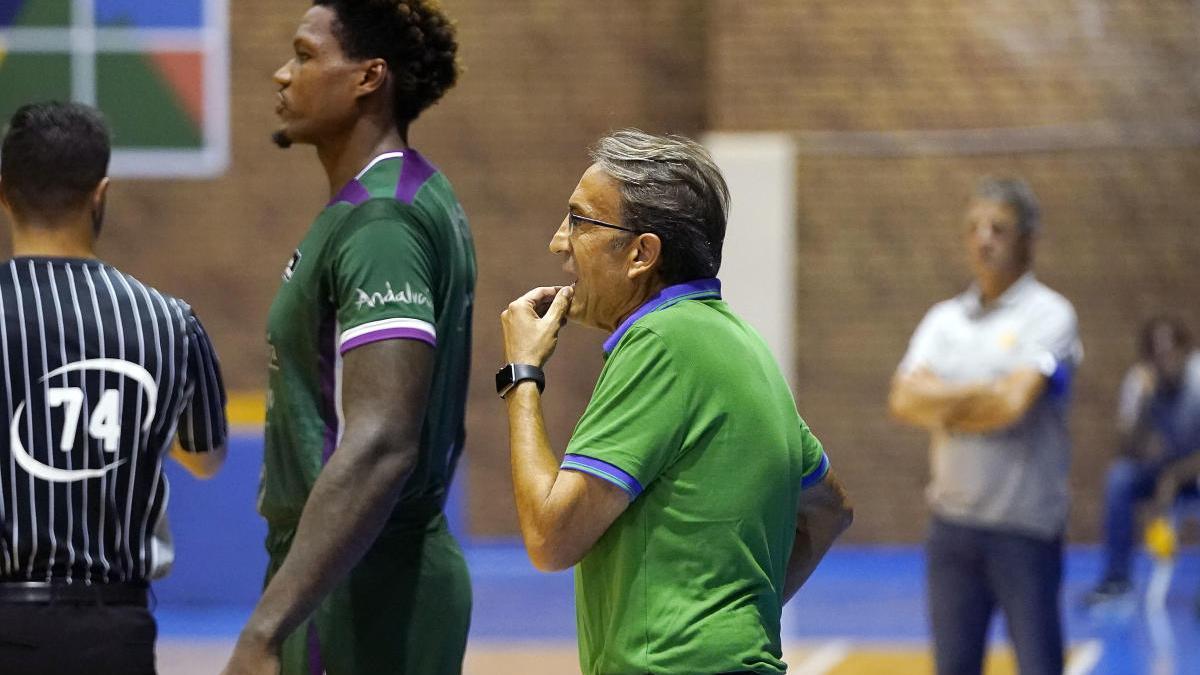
(670, 187)
(1017, 194)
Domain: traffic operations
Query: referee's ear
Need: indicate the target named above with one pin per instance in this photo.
(97, 205)
(6, 204)
(99, 194)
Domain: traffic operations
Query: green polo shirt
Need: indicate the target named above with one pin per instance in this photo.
(693, 419)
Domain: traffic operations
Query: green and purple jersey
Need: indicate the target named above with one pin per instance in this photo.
(390, 257)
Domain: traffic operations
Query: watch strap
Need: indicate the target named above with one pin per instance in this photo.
(512, 373)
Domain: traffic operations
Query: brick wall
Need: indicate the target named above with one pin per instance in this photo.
(878, 241)
(1103, 90)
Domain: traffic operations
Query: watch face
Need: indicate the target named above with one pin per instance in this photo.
(504, 379)
(508, 376)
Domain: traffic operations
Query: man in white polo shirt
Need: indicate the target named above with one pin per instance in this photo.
(988, 373)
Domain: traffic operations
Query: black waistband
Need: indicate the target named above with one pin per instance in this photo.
(76, 593)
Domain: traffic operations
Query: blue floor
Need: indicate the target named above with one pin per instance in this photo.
(867, 594)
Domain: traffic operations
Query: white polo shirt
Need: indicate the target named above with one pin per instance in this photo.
(1014, 479)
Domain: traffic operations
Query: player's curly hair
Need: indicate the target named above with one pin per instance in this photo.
(414, 37)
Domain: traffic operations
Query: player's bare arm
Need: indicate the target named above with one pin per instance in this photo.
(824, 514)
(385, 387)
(561, 513)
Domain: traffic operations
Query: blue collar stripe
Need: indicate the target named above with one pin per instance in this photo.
(700, 289)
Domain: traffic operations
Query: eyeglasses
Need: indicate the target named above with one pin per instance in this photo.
(572, 217)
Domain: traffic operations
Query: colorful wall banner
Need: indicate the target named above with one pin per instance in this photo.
(158, 70)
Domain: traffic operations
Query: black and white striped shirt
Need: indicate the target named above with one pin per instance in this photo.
(100, 372)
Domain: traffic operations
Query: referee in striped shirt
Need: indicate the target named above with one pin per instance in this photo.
(101, 374)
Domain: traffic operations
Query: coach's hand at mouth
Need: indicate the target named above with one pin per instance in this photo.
(531, 324)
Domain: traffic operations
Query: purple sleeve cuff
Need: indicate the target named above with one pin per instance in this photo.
(816, 475)
(604, 471)
(387, 329)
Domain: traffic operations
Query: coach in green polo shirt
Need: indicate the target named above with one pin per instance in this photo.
(692, 496)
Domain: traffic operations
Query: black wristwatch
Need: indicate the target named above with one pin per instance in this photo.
(511, 373)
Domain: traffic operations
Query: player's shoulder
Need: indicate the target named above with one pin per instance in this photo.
(401, 175)
(396, 188)
(379, 221)
(370, 211)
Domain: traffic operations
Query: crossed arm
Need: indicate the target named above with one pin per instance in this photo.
(925, 400)
(385, 387)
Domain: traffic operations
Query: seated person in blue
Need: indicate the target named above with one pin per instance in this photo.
(1159, 422)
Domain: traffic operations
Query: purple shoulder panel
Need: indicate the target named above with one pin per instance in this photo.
(353, 192)
(415, 172)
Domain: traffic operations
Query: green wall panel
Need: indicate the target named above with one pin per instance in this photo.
(25, 78)
(141, 107)
(43, 13)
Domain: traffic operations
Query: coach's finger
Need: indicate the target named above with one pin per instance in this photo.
(558, 309)
(538, 297)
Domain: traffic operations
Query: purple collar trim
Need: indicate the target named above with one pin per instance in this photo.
(352, 192)
(414, 173)
(700, 289)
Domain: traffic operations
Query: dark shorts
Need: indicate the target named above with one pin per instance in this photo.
(405, 608)
(71, 639)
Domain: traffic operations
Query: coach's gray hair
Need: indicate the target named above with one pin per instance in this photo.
(670, 187)
(1017, 194)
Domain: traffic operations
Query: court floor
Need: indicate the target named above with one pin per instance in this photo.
(862, 613)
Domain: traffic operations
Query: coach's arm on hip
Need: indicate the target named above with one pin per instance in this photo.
(825, 512)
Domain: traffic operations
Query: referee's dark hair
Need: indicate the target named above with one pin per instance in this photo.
(53, 157)
(670, 187)
(414, 37)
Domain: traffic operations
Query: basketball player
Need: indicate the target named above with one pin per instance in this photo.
(369, 355)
